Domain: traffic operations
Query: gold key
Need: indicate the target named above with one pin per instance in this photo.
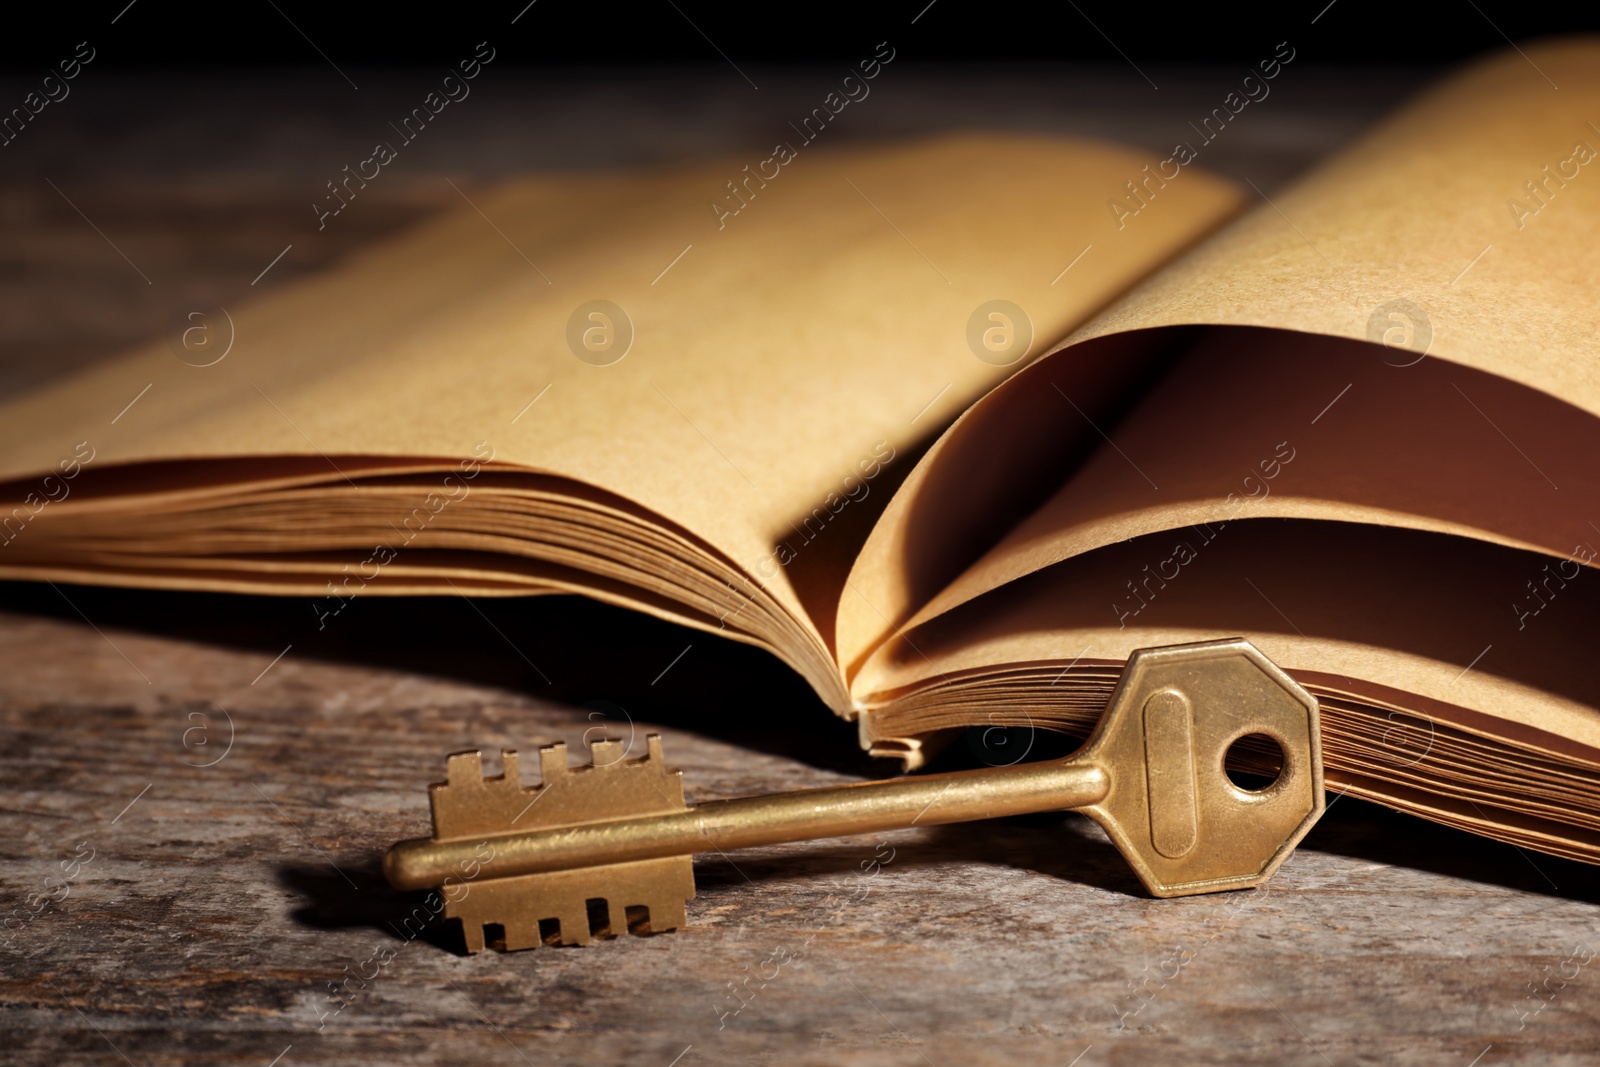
(597, 850)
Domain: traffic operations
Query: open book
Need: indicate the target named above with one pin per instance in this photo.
(949, 427)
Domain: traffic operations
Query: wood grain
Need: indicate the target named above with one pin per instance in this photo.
(221, 902)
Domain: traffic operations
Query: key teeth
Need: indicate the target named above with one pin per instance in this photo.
(552, 761)
(606, 753)
(579, 927)
(573, 928)
(618, 917)
(519, 939)
(669, 915)
(463, 768)
(662, 914)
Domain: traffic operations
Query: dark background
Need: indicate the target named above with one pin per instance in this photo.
(200, 135)
(155, 34)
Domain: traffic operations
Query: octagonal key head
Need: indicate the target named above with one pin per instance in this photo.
(1172, 809)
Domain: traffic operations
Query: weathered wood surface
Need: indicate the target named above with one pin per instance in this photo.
(221, 901)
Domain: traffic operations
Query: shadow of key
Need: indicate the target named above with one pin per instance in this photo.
(331, 903)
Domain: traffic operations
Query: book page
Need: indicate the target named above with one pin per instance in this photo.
(1255, 423)
(1436, 698)
(1454, 252)
(1365, 604)
(706, 368)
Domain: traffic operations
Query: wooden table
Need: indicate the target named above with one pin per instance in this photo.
(199, 788)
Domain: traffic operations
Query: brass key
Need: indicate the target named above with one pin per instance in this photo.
(600, 849)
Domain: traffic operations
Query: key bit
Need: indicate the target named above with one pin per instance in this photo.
(472, 811)
(600, 849)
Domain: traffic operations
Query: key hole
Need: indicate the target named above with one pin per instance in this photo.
(1254, 762)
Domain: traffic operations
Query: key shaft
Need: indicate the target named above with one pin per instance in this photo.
(600, 850)
(721, 825)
